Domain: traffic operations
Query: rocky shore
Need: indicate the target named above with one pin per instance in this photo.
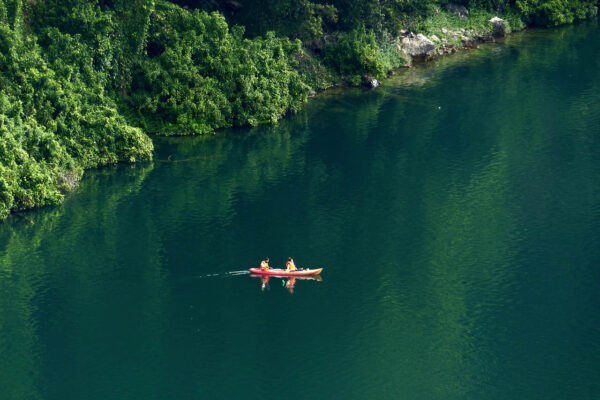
(418, 47)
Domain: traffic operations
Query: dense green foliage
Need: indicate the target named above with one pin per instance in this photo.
(356, 53)
(55, 118)
(556, 12)
(202, 76)
(82, 80)
(308, 18)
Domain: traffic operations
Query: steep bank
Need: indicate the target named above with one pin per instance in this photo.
(82, 83)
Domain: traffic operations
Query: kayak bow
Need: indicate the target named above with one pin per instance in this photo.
(283, 272)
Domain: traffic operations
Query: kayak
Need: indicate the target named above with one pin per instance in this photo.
(283, 272)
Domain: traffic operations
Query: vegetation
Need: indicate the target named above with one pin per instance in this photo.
(82, 82)
(356, 53)
(55, 118)
(202, 75)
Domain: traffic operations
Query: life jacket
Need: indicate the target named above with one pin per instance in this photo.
(290, 265)
(264, 265)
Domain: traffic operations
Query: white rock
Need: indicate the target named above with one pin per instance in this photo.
(418, 45)
(370, 82)
(498, 27)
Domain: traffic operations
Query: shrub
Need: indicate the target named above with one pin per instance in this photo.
(54, 122)
(556, 12)
(200, 76)
(357, 53)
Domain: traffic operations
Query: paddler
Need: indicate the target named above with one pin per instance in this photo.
(264, 264)
(289, 265)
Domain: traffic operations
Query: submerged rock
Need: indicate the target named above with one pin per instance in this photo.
(498, 27)
(457, 9)
(418, 46)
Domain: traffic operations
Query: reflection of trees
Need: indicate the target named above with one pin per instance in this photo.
(460, 196)
(216, 177)
(216, 170)
(19, 363)
(468, 251)
(111, 278)
(109, 238)
(57, 257)
(417, 209)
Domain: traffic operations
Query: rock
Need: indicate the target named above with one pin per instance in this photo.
(457, 9)
(68, 180)
(485, 37)
(418, 46)
(403, 32)
(444, 31)
(435, 38)
(370, 82)
(468, 41)
(498, 27)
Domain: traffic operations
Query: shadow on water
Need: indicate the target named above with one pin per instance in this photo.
(455, 211)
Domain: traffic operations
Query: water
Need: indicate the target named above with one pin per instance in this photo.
(455, 211)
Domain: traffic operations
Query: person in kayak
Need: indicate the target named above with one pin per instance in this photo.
(264, 264)
(289, 265)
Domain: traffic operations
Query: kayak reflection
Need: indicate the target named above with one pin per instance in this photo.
(265, 282)
(288, 282)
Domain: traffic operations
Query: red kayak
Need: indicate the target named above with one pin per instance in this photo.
(284, 272)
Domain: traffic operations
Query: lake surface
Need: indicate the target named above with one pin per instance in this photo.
(456, 211)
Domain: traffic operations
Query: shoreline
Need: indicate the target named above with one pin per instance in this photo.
(417, 48)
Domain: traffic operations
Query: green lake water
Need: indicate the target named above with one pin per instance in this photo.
(456, 211)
